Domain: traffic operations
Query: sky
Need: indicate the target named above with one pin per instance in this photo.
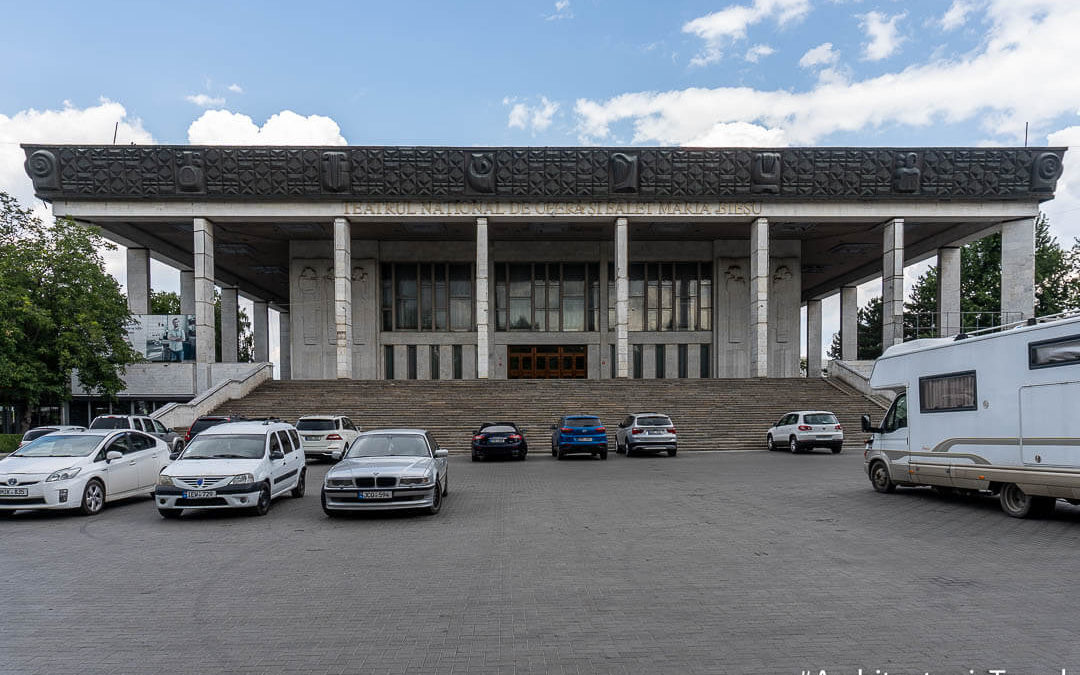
(544, 72)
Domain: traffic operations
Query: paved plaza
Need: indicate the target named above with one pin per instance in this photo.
(745, 562)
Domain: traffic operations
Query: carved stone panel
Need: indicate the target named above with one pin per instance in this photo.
(765, 172)
(1045, 171)
(732, 316)
(907, 175)
(335, 171)
(366, 316)
(190, 177)
(311, 301)
(480, 173)
(43, 170)
(784, 318)
(624, 173)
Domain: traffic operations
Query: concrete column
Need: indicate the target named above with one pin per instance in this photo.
(230, 314)
(205, 330)
(892, 284)
(343, 297)
(1018, 270)
(284, 346)
(138, 280)
(483, 335)
(187, 292)
(260, 327)
(622, 298)
(948, 291)
(759, 298)
(813, 338)
(849, 323)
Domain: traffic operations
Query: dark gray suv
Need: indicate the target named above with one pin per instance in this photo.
(646, 432)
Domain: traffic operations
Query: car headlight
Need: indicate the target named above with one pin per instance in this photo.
(414, 480)
(64, 474)
(242, 479)
(162, 479)
(339, 482)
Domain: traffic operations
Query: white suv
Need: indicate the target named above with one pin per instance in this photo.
(234, 465)
(327, 436)
(805, 430)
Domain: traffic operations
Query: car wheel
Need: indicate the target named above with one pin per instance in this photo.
(836, 449)
(170, 514)
(554, 450)
(793, 445)
(436, 501)
(603, 454)
(618, 447)
(262, 506)
(475, 457)
(446, 486)
(559, 454)
(301, 484)
(769, 443)
(329, 512)
(629, 450)
(93, 499)
(1018, 504)
(879, 478)
(523, 456)
(671, 453)
(6, 513)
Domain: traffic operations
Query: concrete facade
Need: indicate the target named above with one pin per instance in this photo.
(230, 324)
(813, 338)
(205, 330)
(892, 284)
(948, 295)
(138, 280)
(849, 323)
(1018, 269)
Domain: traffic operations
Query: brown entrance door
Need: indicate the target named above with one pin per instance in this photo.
(547, 362)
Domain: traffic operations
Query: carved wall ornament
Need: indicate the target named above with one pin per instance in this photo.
(480, 173)
(190, 176)
(624, 173)
(906, 177)
(765, 172)
(335, 170)
(1045, 171)
(359, 273)
(43, 170)
(782, 273)
(735, 273)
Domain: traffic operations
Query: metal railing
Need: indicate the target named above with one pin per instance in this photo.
(918, 325)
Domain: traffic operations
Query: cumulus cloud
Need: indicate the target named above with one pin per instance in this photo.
(822, 55)
(755, 53)
(720, 29)
(1063, 209)
(992, 85)
(235, 88)
(222, 127)
(205, 100)
(957, 14)
(535, 117)
(562, 11)
(883, 33)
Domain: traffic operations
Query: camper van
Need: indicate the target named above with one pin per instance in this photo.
(996, 412)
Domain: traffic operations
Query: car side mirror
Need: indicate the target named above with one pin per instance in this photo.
(277, 454)
(442, 452)
(867, 427)
(173, 456)
(113, 454)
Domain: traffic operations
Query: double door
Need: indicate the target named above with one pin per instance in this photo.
(547, 362)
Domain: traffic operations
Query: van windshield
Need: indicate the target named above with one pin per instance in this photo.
(820, 418)
(226, 446)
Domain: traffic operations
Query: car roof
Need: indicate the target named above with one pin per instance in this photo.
(318, 417)
(566, 417)
(485, 425)
(376, 432)
(98, 432)
(245, 428)
(650, 414)
(59, 427)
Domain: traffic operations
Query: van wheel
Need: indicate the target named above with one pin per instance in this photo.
(1018, 504)
(301, 484)
(170, 514)
(262, 506)
(879, 478)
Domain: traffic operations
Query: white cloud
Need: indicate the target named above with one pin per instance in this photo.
(1064, 209)
(562, 11)
(754, 54)
(883, 33)
(822, 55)
(957, 14)
(730, 24)
(205, 100)
(221, 127)
(523, 116)
(235, 88)
(993, 86)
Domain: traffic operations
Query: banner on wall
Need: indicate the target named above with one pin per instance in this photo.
(163, 337)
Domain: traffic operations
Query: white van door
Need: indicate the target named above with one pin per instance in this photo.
(893, 439)
(1049, 425)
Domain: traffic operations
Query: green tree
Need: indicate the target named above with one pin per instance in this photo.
(60, 312)
(164, 302)
(1056, 272)
(168, 302)
(870, 326)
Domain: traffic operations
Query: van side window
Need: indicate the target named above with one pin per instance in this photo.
(295, 438)
(275, 444)
(1057, 352)
(897, 416)
(948, 393)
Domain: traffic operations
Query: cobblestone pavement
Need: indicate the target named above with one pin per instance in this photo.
(750, 562)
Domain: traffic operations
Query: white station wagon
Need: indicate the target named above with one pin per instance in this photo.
(234, 465)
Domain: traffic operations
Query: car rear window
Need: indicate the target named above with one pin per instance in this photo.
(110, 423)
(583, 421)
(498, 429)
(36, 433)
(315, 425)
(820, 418)
(654, 421)
(204, 424)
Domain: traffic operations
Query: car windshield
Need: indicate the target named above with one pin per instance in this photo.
(583, 421)
(654, 421)
(498, 429)
(226, 446)
(820, 418)
(58, 445)
(315, 425)
(36, 433)
(109, 423)
(389, 445)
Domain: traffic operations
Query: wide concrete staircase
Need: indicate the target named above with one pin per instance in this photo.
(709, 414)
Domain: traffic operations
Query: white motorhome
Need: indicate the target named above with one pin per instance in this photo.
(997, 412)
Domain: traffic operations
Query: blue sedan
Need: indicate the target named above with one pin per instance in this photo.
(579, 434)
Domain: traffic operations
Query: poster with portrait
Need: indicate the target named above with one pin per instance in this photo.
(164, 337)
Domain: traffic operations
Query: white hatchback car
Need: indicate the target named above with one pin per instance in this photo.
(806, 430)
(80, 470)
(326, 436)
(234, 465)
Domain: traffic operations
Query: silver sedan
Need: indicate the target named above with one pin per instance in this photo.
(388, 469)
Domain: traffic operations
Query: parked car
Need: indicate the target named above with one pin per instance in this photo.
(235, 465)
(141, 423)
(499, 439)
(326, 436)
(576, 434)
(81, 470)
(806, 430)
(388, 469)
(38, 432)
(646, 432)
(206, 421)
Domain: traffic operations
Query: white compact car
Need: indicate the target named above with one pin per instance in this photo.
(388, 469)
(234, 465)
(326, 436)
(80, 470)
(806, 430)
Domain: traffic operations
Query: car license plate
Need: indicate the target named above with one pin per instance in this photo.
(376, 494)
(496, 440)
(13, 492)
(312, 438)
(199, 494)
(582, 438)
(655, 432)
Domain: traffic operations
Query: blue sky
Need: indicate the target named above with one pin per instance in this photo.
(544, 72)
